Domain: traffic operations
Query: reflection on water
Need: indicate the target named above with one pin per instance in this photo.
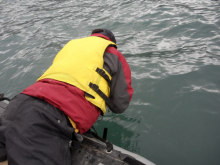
(172, 47)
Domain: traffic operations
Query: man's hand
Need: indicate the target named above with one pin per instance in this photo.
(4, 163)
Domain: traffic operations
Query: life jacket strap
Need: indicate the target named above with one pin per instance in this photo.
(103, 74)
(110, 103)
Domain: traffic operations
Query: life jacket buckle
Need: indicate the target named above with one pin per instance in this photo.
(94, 86)
(101, 72)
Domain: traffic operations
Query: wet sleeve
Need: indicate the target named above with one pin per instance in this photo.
(120, 87)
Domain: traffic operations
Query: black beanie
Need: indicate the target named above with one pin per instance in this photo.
(105, 32)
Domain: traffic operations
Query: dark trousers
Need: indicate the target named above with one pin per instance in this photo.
(33, 132)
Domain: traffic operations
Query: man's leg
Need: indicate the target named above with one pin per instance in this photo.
(37, 133)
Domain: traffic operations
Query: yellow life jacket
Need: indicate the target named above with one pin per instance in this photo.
(77, 64)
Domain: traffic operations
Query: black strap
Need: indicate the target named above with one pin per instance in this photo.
(103, 74)
(110, 103)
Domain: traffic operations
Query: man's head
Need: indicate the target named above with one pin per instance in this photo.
(105, 32)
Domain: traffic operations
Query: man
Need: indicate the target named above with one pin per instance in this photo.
(87, 75)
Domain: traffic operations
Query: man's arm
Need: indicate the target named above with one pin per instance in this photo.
(120, 88)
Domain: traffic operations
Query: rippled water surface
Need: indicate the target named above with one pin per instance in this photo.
(172, 47)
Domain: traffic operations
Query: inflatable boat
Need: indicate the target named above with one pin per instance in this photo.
(95, 150)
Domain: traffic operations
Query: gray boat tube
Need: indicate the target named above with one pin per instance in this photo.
(136, 156)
